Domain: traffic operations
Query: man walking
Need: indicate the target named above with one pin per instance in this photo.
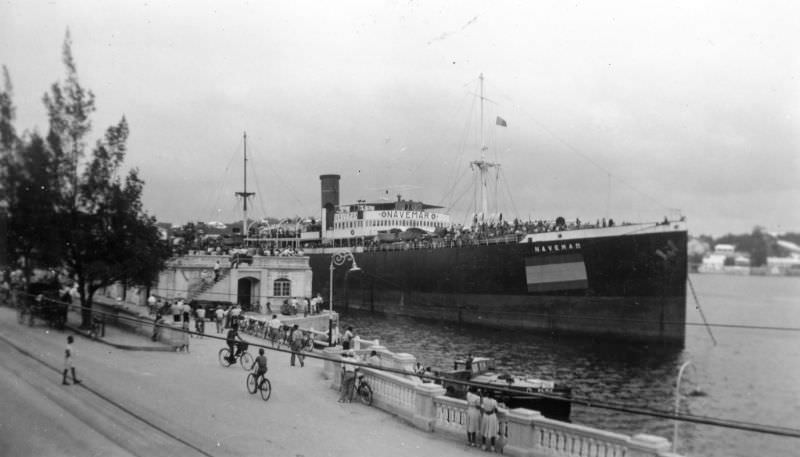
(296, 341)
(200, 321)
(69, 357)
(219, 314)
(273, 329)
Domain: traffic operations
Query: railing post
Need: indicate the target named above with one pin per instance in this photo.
(403, 361)
(643, 445)
(424, 409)
(521, 438)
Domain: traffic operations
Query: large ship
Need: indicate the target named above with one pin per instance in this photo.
(624, 281)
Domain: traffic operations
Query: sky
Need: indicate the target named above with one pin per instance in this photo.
(628, 110)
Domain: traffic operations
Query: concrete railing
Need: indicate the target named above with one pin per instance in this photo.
(522, 432)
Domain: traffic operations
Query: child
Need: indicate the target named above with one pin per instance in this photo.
(69, 356)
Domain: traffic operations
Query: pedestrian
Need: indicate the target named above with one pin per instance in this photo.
(348, 377)
(176, 309)
(236, 315)
(151, 305)
(473, 416)
(69, 363)
(348, 339)
(200, 321)
(216, 271)
(157, 324)
(274, 328)
(317, 303)
(219, 315)
(186, 312)
(296, 342)
(489, 423)
(374, 359)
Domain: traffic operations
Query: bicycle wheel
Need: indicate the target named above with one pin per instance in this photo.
(365, 394)
(224, 357)
(246, 360)
(251, 383)
(266, 389)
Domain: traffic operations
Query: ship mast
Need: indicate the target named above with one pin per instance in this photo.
(244, 194)
(483, 166)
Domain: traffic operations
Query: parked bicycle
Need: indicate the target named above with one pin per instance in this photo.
(264, 386)
(245, 358)
(362, 389)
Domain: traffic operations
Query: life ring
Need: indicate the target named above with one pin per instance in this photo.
(352, 232)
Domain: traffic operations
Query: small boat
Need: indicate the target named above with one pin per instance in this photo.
(554, 404)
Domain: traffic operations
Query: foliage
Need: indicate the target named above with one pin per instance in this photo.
(91, 222)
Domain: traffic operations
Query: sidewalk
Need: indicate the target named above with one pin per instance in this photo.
(194, 398)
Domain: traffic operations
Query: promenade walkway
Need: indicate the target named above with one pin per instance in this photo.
(192, 397)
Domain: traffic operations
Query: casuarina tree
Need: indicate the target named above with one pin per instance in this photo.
(91, 210)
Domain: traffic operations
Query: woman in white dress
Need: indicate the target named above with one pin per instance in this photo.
(489, 423)
(473, 416)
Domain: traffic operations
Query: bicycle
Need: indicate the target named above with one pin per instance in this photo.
(362, 389)
(264, 386)
(244, 357)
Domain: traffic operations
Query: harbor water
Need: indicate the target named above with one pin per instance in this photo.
(751, 375)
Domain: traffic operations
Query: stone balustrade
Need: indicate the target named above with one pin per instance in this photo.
(523, 432)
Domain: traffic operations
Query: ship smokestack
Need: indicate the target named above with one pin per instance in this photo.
(330, 197)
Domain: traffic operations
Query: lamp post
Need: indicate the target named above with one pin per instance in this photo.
(337, 259)
(677, 404)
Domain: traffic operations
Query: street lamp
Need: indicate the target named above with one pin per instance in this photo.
(337, 259)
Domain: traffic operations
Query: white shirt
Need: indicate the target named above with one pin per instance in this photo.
(275, 323)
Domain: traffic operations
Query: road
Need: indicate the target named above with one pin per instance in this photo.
(181, 404)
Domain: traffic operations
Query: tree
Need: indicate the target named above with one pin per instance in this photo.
(115, 241)
(32, 196)
(8, 139)
(92, 222)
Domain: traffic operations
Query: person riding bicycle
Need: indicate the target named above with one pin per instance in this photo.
(233, 335)
(261, 361)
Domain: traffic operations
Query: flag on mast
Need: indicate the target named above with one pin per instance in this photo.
(501, 122)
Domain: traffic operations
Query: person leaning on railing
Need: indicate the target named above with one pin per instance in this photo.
(348, 377)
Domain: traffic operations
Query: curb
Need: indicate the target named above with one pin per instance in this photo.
(124, 347)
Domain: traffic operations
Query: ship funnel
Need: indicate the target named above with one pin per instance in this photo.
(330, 197)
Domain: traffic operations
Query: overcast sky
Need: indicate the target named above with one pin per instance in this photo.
(631, 110)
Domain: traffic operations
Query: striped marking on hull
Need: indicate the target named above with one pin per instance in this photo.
(556, 272)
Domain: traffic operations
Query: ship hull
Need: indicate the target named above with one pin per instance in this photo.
(629, 287)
